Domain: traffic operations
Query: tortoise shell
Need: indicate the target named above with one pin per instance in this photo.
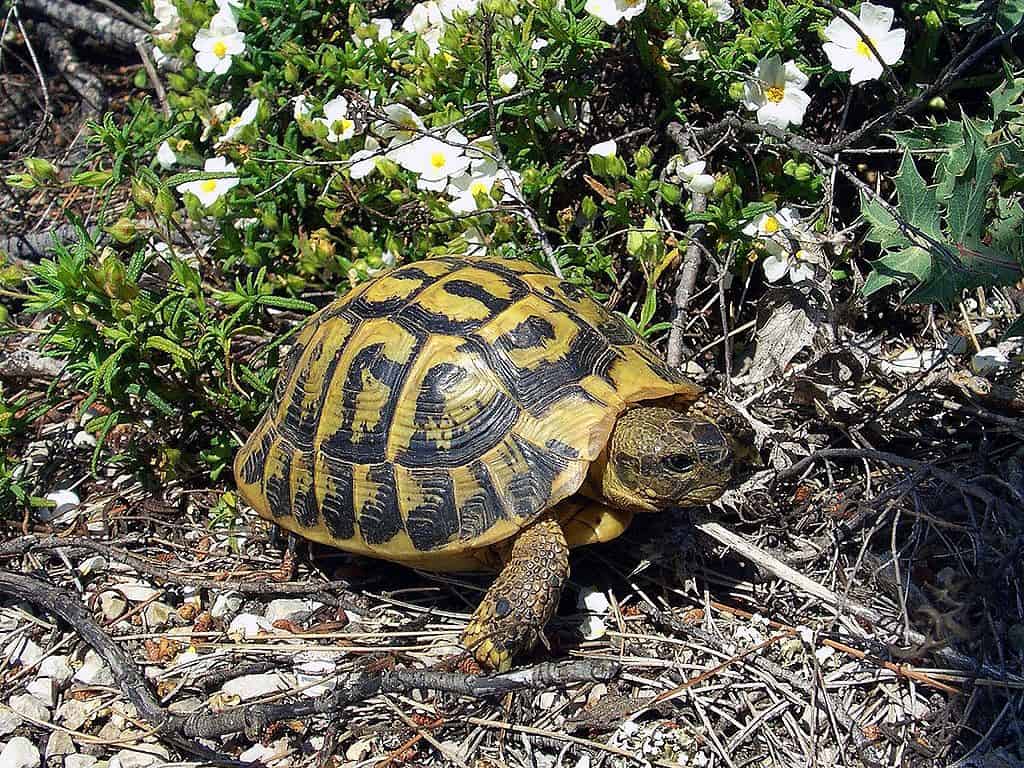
(441, 406)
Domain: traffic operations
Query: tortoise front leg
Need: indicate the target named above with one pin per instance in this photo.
(515, 609)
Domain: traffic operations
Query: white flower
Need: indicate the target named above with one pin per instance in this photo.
(613, 11)
(723, 9)
(216, 44)
(434, 160)
(402, 126)
(451, 8)
(695, 179)
(228, 6)
(168, 21)
(210, 190)
(604, 149)
(480, 181)
(694, 50)
(539, 44)
(507, 80)
(301, 109)
(166, 156)
(378, 30)
(781, 233)
(364, 161)
(336, 119)
(847, 51)
(777, 93)
(799, 264)
(428, 22)
(237, 124)
(218, 113)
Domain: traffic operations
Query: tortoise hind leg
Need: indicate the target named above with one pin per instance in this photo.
(512, 615)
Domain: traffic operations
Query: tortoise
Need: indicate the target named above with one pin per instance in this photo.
(478, 414)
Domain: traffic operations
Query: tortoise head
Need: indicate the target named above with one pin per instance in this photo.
(658, 457)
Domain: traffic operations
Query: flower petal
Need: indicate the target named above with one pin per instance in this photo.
(775, 267)
(876, 20)
(794, 104)
(841, 33)
(841, 58)
(770, 71)
(891, 45)
(866, 68)
(795, 78)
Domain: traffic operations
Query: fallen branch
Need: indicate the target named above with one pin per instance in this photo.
(81, 80)
(329, 593)
(24, 249)
(100, 26)
(253, 719)
(691, 261)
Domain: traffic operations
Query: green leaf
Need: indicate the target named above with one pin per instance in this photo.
(917, 202)
(897, 267)
(284, 302)
(1006, 96)
(969, 196)
(885, 230)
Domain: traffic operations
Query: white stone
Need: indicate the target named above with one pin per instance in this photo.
(154, 754)
(83, 439)
(45, 690)
(137, 592)
(73, 714)
(92, 565)
(80, 761)
(112, 605)
(94, 671)
(546, 701)
(56, 667)
(19, 753)
(9, 721)
(247, 626)
(359, 750)
(253, 686)
(225, 603)
(62, 498)
(291, 610)
(29, 707)
(157, 614)
(59, 743)
(22, 650)
(275, 754)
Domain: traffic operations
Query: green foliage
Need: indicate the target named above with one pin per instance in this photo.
(962, 229)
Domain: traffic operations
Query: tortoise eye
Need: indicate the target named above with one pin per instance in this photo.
(678, 462)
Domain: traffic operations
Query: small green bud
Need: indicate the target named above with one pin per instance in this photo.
(21, 181)
(397, 196)
(938, 104)
(599, 165)
(269, 220)
(671, 194)
(142, 194)
(41, 170)
(387, 167)
(123, 230)
(92, 178)
(789, 167)
(722, 185)
(642, 180)
(736, 91)
(804, 172)
(672, 47)
(531, 177)
(177, 82)
(748, 44)
(291, 72)
(643, 157)
(932, 20)
(165, 204)
(616, 167)
(589, 207)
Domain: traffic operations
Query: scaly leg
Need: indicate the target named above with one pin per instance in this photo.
(515, 609)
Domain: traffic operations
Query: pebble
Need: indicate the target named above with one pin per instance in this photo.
(252, 686)
(19, 753)
(45, 690)
(29, 707)
(80, 761)
(73, 714)
(158, 615)
(59, 743)
(185, 706)
(546, 701)
(63, 498)
(294, 610)
(24, 651)
(9, 721)
(112, 605)
(359, 750)
(225, 603)
(134, 758)
(92, 564)
(56, 668)
(94, 671)
(247, 626)
(273, 754)
(83, 439)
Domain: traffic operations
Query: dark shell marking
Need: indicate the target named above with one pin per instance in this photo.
(438, 402)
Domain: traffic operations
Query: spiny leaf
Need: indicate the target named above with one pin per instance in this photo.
(917, 202)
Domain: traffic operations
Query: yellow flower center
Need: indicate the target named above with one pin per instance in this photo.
(220, 49)
(346, 125)
(771, 225)
(863, 49)
(438, 160)
(210, 185)
(477, 188)
(775, 93)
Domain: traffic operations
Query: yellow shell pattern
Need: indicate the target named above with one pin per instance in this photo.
(442, 406)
